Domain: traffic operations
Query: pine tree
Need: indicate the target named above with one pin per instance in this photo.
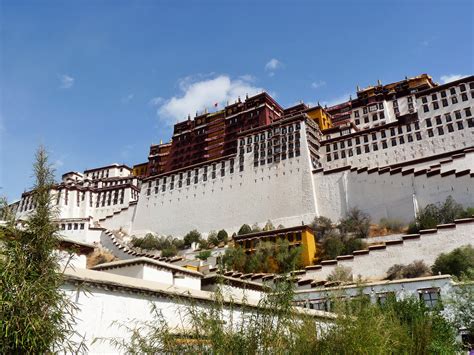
(36, 316)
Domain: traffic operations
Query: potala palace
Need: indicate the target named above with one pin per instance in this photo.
(388, 151)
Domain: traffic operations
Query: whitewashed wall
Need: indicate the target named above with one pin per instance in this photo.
(375, 263)
(282, 192)
(386, 195)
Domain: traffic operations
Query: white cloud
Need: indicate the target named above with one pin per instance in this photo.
(199, 95)
(318, 84)
(272, 65)
(66, 81)
(128, 98)
(156, 101)
(336, 101)
(451, 77)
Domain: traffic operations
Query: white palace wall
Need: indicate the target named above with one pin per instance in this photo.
(282, 192)
(387, 195)
(375, 262)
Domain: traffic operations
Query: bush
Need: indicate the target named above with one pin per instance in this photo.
(204, 255)
(341, 274)
(415, 269)
(256, 228)
(433, 214)
(269, 226)
(222, 236)
(245, 229)
(169, 252)
(391, 225)
(458, 263)
(322, 226)
(212, 238)
(356, 222)
(192, 237)
(148, 242)
(334, 245)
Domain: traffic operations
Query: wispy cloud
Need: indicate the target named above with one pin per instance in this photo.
(66, 81)
(198, 94)
(273, 65)
(156, 101)
(336, 100)
(451, 77)
(128, 98)
(318, 84)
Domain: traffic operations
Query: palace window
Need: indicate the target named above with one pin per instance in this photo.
(438, 120)
(375, 117)
(357, 140)
(357, 122)
(430, 133)
(392, 131)
(358, 151)
(418, 136)
(425, 108)
(375, 147)
(383, 134)
(351, 153)
(343, 154)
(454, 100)
(444, 102)
(384, 145)
(448, 117)
(380, 105)
(424, 99)
(364, 110)
(428, 122)
(434, 97)
(366, 148)
(356, 113)
(366, 119)
(467, 112)
(328, 157)
(452, 91)
(470, 122)
(435, 105)
(409, 138)
(394, 142)
(450, 127)
(457, 114)
(401, 140)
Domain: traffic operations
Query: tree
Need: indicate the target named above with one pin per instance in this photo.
(36, 316)
(148, 242)
(234, 259)
(256, 228)
(356, 222)
(322, 226)
(192, 237)
(204, 255)
(245, 229)
(222, 236)
(269, 226)
(458, 263)
(212, 238)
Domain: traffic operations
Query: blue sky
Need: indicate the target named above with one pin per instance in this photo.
(97, 82)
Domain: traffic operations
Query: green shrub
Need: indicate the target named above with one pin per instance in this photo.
(334, 245)
(192, 237)
(415, 269)
(356, 222)
(269, 226)
(222, 236)
(340, 273)
(459, 262)
(169, 252)
(148, 242)
(245, 229)
(433, 214)
(204, 255)
(322, 226)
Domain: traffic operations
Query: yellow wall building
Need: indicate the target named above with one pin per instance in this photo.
(140, 169)
(297, 236)
(321, 116)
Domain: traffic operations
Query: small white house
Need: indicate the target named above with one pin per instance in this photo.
(154, 270)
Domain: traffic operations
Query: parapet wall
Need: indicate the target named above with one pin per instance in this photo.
(394, 192)
(374, 262)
